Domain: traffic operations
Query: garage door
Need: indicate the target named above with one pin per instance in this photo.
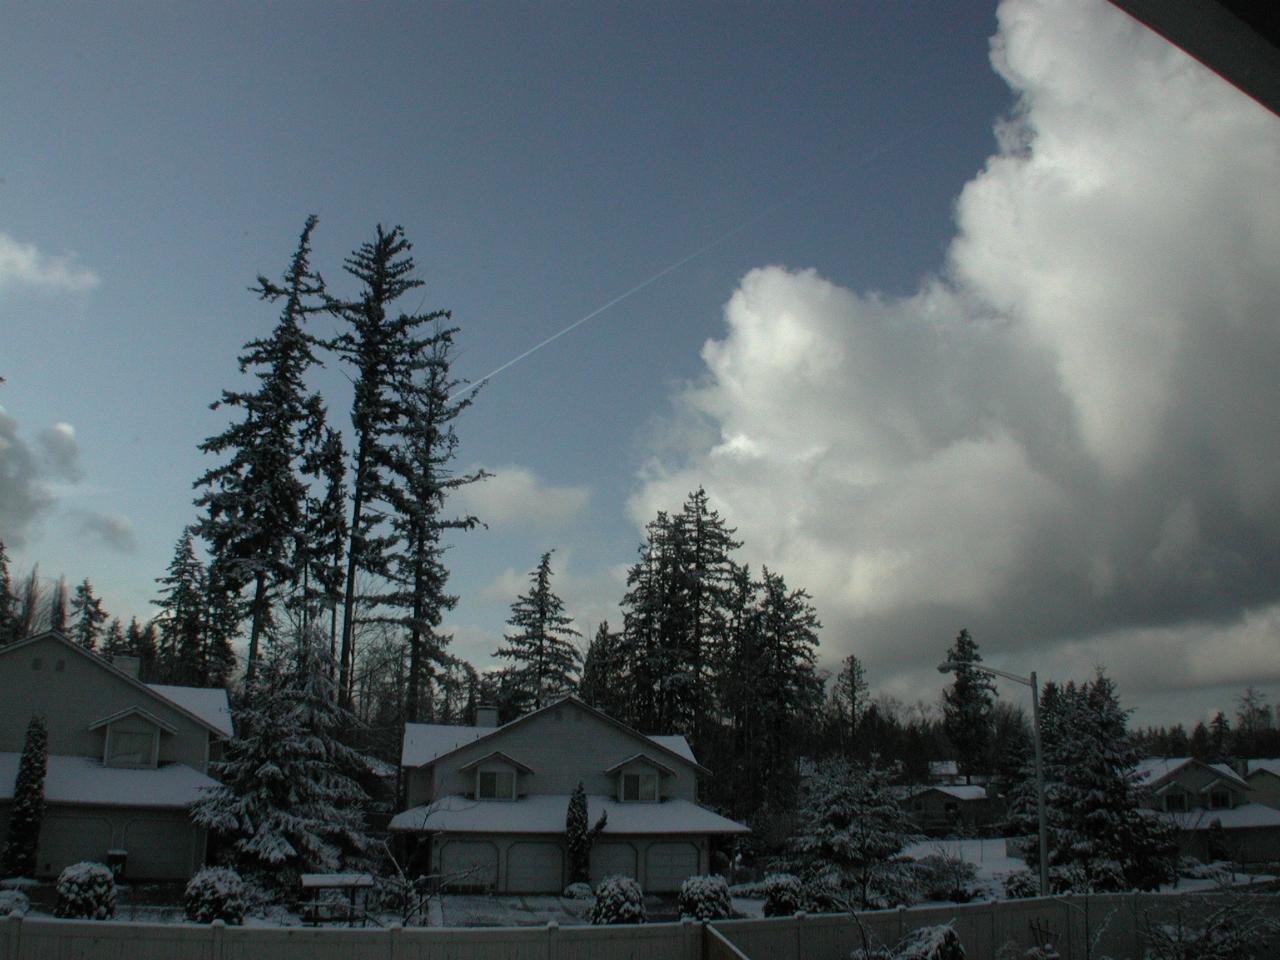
(535, 867)
(608, 859)
(469, 863)
(67, 839)
(668, 865)
(159, 849)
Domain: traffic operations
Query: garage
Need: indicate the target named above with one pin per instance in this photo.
(159, 848)
(609, 859)
(535, 866)
(469, 864)
(668, 865)
(67, 838)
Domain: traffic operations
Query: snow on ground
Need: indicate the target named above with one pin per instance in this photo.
(987, 854)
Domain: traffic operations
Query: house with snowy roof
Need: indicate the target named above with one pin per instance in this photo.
(487, 803)
(125, 758)
(1263, 777)
(1213, 808)
(945, 809)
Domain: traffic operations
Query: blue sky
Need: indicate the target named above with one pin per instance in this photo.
(546, 158)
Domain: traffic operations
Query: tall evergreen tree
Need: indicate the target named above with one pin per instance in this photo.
(542, 651)
(8, 602)
(579, 837)
(27, 810)
(384, 350)
(87, 616)
(850, 698)
(58, 606)
(423, 465)
(181, 620)
(114, 642)
(287, 803)
(253, 502)
(967, 706)
(602, 683)
(31, 617)
(326, 531)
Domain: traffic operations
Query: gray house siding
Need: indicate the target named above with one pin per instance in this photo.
(562, 746)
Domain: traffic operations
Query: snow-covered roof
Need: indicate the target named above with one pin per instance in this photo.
(83, 780)
(1266, 765)
(134, 712)
(208, 703)
(645, 758)
(1152, 770)
(944, 768)
(545, 813)
(427, 742)
(961, 791)
(1235, 818)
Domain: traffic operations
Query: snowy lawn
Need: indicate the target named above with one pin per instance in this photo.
(986, 854)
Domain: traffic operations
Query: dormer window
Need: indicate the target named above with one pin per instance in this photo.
(1219, 800)
(129, 748)
(639, 787)
(496, 785)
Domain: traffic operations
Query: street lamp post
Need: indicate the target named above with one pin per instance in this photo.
(948, 666)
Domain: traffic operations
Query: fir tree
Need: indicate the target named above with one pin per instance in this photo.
(181, 621)
(58, 606)
(30, 617)
(27, 810)
(967, 706)
(1097, 832)
(287, 803)
(542, 651)
(88, 616)
(8, 602)
(253, 502)
(384, 349)
(326, 531)
(850, 699)
(115, 643)
(1220, 737)
(602, 683)
(579, 838)
(851, 828)
(426, 479)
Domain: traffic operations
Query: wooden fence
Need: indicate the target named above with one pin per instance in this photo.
(1077, 927)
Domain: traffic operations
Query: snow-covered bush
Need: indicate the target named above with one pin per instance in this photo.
(1021, 884)
(578, 891)
(618, 900)
(923, 943)
(13, 903)
(705, 898)
(1234, 931)
(1194, 869)
(215, 893)
(944, 876)
(783, 895)
(86, 891)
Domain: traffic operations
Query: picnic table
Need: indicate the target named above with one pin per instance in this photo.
(316, 909)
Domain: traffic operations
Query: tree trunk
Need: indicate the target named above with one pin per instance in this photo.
(255, 630)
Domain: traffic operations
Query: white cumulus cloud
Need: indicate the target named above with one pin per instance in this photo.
(517, 497)
(23, 265)
(1070, 435)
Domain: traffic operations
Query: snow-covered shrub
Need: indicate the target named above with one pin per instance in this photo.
(896, 884)
(13, 903)
(1194, 869)
(618, 900)
(1235, 931)
(705, 898)
(1021, 884)
(215, 893)
(930, 943)
(944, 876)
(86, 891)
(578, 891)
(783, 895)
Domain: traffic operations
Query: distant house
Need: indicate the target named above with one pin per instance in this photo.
(1212, 807)
(1263, 777)
(948, 772)
(487, 804)
(126, 758)
(948, 809)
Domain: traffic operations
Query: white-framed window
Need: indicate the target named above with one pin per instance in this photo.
(131, 748)
(496, 785)
(639, 787)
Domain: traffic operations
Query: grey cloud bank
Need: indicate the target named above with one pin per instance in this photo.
(1069, 439)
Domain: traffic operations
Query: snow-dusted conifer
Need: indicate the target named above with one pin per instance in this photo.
(253, 502)
(87, 616)
(967, 706)
(8, 602)
(851, 828)
(602, 683)
(27, 811)
(542, 651)
(287, 803)
(181, 621)
(579, 837)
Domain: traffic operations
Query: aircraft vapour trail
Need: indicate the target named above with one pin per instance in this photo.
(601, 309)
(885, 146)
